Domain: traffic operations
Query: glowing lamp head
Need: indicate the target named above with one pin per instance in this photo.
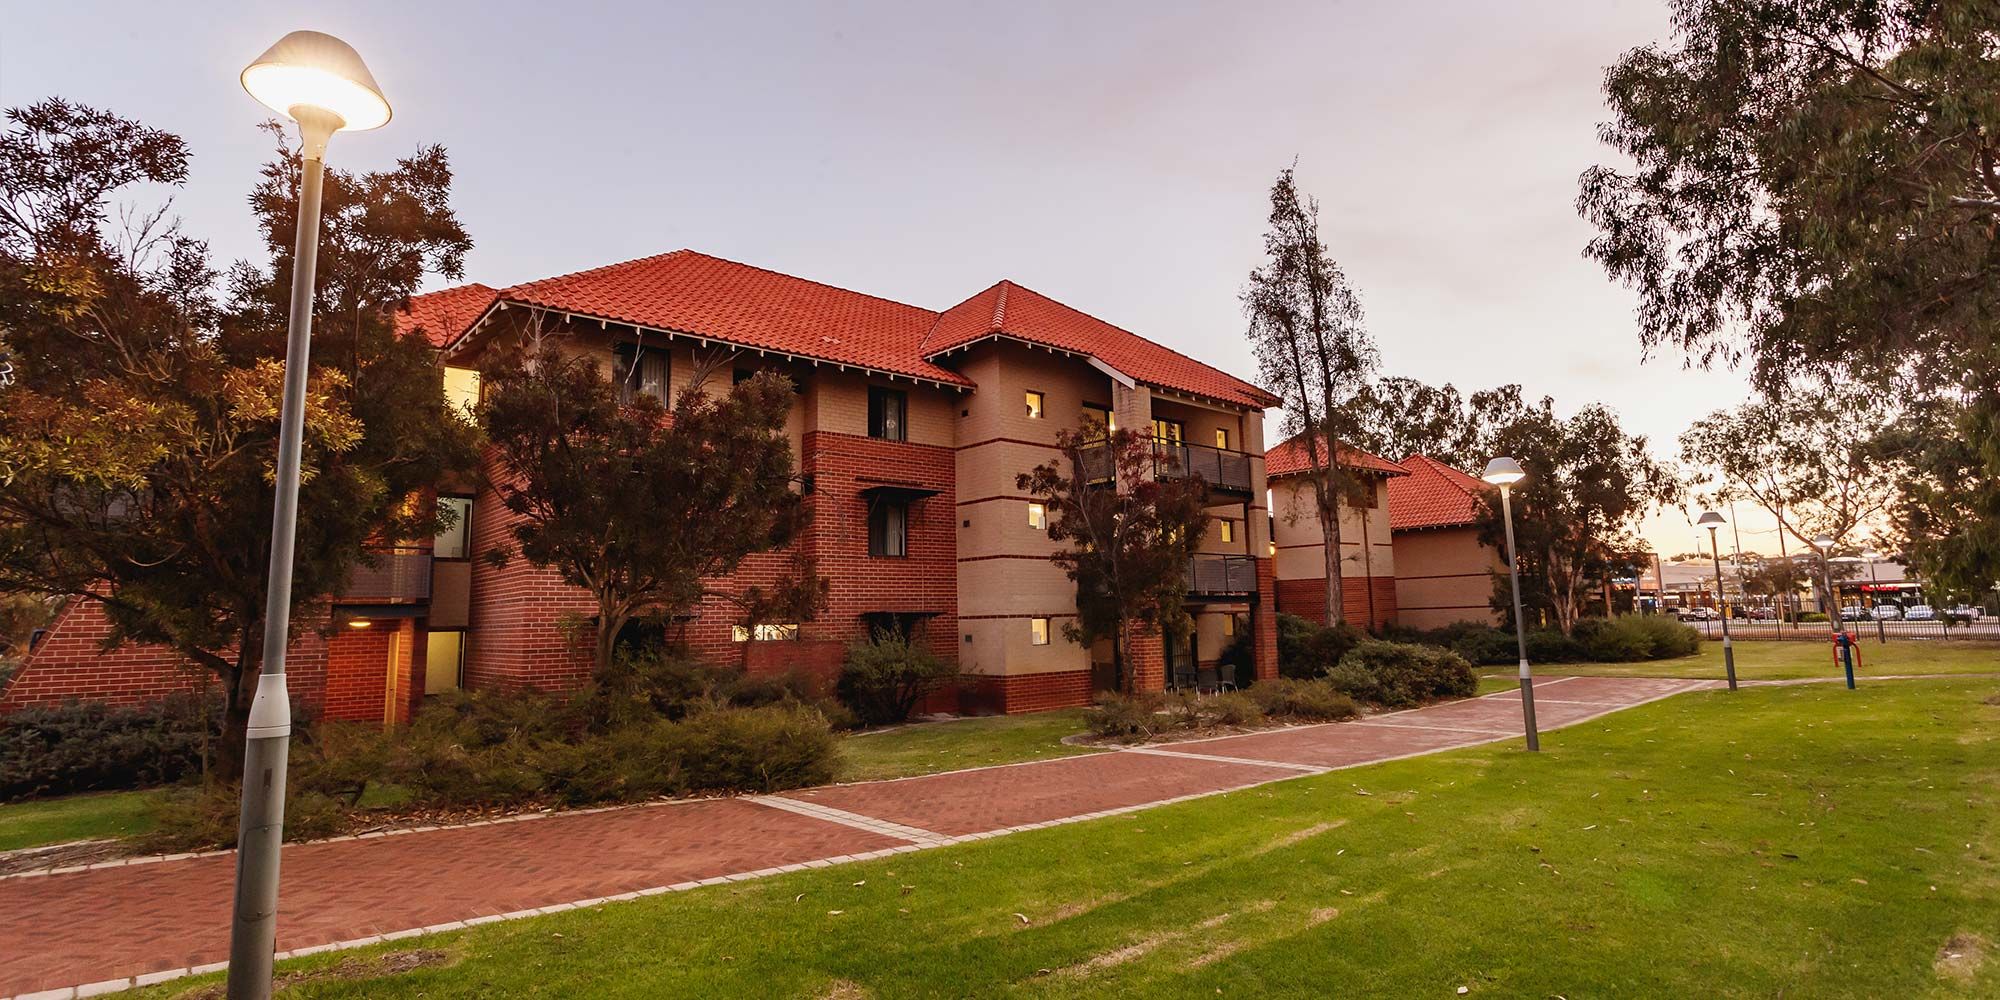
(317, 72)
(1823, 542)
(1503, 471)
(1710, 520)
(1871, 555)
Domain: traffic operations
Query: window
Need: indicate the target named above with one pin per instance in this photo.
(1228, 531)
(1038, 515)
(886, 410)
(451, 543)
(461, 390)
(1098, 421)
(1038, 631)
(444, 661)
(641, 371)
(1229, 626)
(1034, 405)
(1222, 438)
(764, 633)
(888, 529)
(1169, 430)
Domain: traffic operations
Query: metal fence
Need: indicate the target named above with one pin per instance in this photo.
(1869, 629)
(391, 575)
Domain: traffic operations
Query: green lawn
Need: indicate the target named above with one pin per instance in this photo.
(1766, 659)
(928, 747)
(77, 817)
(1797, 841)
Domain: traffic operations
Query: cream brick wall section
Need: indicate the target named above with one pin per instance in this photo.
(840, 404)
(1446, 577)
(1299, 534)
(1208, 626)
(1003, 646)
(1017, 587)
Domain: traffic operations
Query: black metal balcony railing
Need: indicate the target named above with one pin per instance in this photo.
(1223, 470)
(1218, 575)
(390, 575)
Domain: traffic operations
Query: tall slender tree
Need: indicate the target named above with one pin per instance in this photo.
(1807, 459)
(1314, 353)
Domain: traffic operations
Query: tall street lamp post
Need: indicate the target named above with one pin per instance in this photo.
(1712, 520)
(319, 82)
(1504, 473)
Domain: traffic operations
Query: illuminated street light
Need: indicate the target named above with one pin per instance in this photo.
(319, 82)
(1504, 473)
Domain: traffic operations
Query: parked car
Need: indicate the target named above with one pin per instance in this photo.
(1888, 613)
(1763, 614)
(1919, 613)
(1698, 614)
(1967, 611)
(1854, 613)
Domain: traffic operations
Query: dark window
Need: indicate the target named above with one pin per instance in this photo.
(886, 410)
(901, 624)
(888, 529)
(641, 371)
(451, 543)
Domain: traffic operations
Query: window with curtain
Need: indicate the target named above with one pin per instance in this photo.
(886, 412)
(888, 529)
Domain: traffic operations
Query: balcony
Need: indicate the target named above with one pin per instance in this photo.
(1221, 576)
(398, 574)
(1223, 470)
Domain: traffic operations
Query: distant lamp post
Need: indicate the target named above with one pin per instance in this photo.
(1824, 543)
(319, 82)
(1504, 473)
(1875, 595)
(1712, 520)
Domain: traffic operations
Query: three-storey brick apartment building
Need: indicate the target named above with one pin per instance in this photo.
(909, 429)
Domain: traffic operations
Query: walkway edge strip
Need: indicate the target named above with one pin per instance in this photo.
(883, 827)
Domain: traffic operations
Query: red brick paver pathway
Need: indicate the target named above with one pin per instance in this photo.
(152, 918)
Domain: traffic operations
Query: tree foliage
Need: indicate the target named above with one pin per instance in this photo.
(1576, 514)
(1809, 460)
(642, 505)
(1398, 417)
(1815, 188)
(138, 438)
(1129, 535)
(1313, 352)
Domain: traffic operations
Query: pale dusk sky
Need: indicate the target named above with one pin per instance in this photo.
(1115, 156)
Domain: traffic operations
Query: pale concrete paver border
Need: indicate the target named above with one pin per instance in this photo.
(919, 839)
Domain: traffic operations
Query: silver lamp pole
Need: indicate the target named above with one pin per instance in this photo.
(318, 81)
(1712, 520)
(1504, 473)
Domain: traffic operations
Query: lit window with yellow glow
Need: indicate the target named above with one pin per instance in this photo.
(1038, 516)
(1034, 405)
(1228, 531)
(764, 633)
(461, 390)
(1038, 631)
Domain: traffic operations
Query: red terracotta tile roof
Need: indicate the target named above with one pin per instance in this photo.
(1011, 310)
(1434, 495)
(445, 312)
(693, 293)
(1290, 458)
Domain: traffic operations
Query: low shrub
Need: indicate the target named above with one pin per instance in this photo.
(1308, 649)
(1403, 674)
(765, 749)
(1812, 616)
(205, 816)
(1126, 718)
(1233, 708)
(88, 746)
(1318, 700)
(1552, 646)
(886, 677)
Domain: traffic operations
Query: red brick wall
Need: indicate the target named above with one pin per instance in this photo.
(517, 639)
(1015, 693)
(71, 663)
(1307, 599)
(1264, 621)
(357, 672)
